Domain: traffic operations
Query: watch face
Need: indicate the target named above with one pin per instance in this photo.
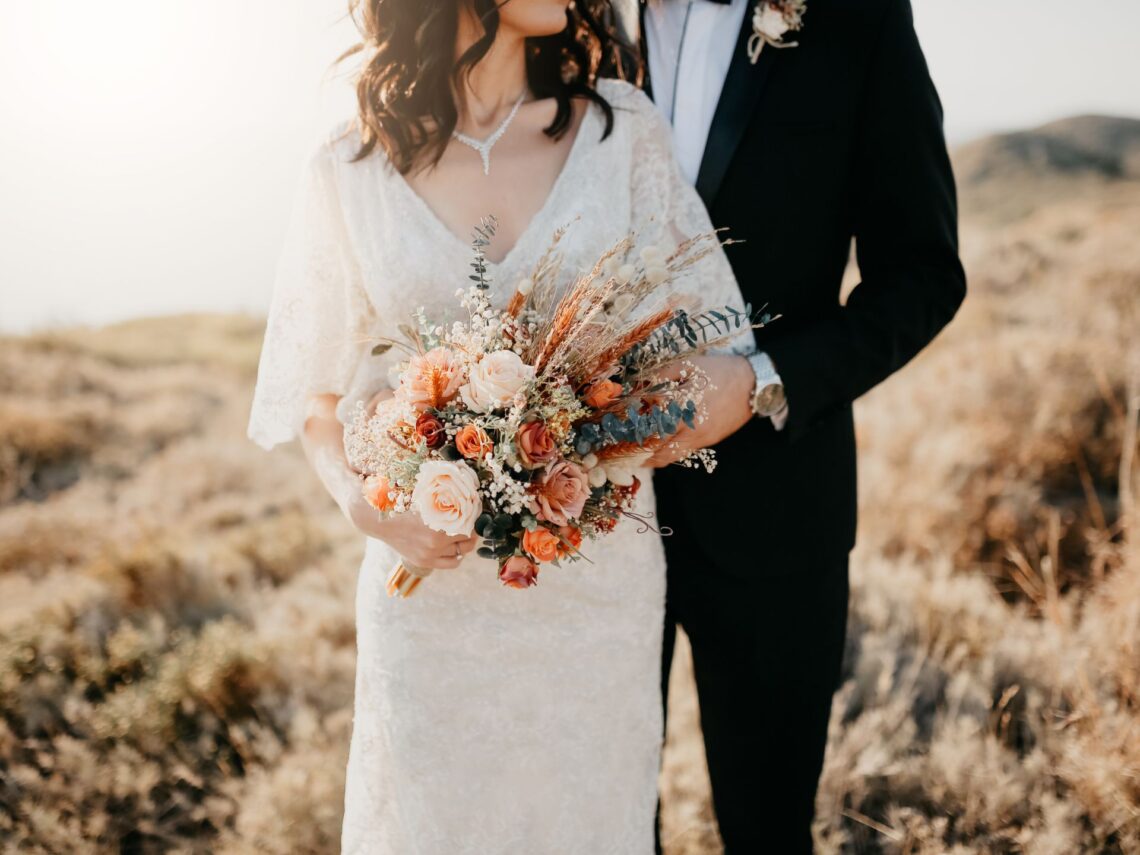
(769, 400)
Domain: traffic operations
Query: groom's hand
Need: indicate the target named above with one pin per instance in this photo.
(727, 405)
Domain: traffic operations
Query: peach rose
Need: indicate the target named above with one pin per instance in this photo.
(561, 492)
(431, 429)
(570, 539)
(378, 493)
(518, 573)
(535, 445)
(542, 544)
(495, 379)
(473, 443)
(431, 380)
(446, 496)
(601, 394)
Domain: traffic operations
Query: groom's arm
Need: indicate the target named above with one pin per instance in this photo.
(906, 239)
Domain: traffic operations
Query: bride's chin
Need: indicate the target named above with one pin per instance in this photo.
(534, 18)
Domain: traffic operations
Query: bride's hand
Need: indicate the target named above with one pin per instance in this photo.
(726, 403)
(323, 442)
(407, 534)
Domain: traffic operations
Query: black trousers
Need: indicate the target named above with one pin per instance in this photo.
(767, 655)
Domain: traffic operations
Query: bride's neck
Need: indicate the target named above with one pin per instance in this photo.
(494, 83)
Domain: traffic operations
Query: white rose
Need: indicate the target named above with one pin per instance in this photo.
(446, 497)
(494, 380)
(770, 21)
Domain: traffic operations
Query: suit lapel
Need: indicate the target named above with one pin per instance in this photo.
(738, 98)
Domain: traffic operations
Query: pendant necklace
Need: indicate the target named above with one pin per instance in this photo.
(484, 146)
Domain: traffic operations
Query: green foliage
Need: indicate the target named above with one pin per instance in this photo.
(483, 234)
(636, 427)
(684, 332)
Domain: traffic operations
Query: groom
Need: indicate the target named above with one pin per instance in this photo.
(838, 137)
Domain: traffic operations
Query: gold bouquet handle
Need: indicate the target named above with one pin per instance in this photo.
(405, 578)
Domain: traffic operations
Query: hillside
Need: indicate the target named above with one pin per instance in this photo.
(1006, 176)
(176, 620)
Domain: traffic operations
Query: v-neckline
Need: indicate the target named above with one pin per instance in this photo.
(524, 236)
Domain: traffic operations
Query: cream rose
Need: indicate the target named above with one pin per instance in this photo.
(446, 497)
(494, 380)
(770, 21)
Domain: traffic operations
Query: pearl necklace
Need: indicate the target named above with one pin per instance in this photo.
(484, 146)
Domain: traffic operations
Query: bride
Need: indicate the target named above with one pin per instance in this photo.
(487, 720)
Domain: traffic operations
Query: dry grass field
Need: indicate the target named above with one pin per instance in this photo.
(176, 626)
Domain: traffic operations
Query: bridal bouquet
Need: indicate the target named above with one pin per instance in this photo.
(525, 424)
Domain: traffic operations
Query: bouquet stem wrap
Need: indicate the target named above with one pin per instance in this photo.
(405, 578)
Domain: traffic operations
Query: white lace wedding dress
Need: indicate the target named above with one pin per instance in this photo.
(487, 720)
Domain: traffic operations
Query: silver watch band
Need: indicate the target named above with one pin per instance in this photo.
(764, 369)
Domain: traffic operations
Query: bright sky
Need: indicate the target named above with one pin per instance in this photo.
(149, 150)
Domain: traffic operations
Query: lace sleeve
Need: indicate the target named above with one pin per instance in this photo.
(319, 320)
(668, 210)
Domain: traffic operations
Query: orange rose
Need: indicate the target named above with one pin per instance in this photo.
(535, 445)
(542, 544)
(602, 393)
(473, 443)
(518, 573)
(378, 493)
(570, 538)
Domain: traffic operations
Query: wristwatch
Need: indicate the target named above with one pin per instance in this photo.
(768, 396)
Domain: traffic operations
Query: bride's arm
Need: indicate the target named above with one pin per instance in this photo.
(317, 337)
(667, 210)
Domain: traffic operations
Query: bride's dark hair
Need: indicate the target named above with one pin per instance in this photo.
(405, 91)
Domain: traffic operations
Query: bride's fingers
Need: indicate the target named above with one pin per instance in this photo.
(455, 551)
(446, 562)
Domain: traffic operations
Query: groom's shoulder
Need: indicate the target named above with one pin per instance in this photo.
(856, 15)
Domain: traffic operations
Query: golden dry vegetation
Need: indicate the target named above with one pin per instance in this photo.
(176, 623)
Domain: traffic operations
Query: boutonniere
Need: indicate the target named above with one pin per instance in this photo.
(771, 21)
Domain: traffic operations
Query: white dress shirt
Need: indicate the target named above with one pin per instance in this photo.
(690, 45)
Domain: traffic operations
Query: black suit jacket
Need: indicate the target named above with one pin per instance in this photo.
(838, 138)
